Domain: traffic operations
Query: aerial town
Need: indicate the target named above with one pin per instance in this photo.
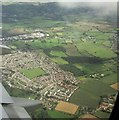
(54, 86)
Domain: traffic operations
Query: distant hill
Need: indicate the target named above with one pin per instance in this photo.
(21, 11)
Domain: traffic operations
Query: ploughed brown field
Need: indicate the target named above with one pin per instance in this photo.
(115, 86)
(67, 107)
(89, 116)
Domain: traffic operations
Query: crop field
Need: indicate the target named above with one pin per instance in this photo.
(69, 67)
(110, 79)
(59, 60)
(32, 73)
(96, 50)
(56, 114)
(89, 68)
(58, 53)
(89, 116)
(115, 86)
(66, 107)
(99, 35)
(71, 50)
(88, 94)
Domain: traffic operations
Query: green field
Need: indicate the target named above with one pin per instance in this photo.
(95, 49)
(58, 53)
(32, 73)
(56, 114)
(71, 50)
(99, 35)
(71, 68)
(59, 60)
(110, 79)
(89, 93)
(89, 68)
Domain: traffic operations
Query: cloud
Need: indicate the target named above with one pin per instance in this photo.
(59, 0)
(104, 8)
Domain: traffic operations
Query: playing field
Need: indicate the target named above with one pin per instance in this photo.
(32, 73)
(67, 107)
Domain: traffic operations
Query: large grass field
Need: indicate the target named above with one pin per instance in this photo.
(89, 68)
(59, 60)
(71, 50)
(89, 93)
(95, 49)
(57, 114)
(58, 53)
(99, 35)
(110, 79)
(32, 73)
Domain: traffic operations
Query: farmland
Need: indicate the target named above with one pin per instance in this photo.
(90, 91)
(56, 114)
(115, 86)
(58, 53)
(96, 50)
(67, 107)
(59, 60)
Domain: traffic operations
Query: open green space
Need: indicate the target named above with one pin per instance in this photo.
(89, 93)
(32, 73)
(71, 68)
(71, 50)
(95, 49)
(58, 53)
(110, 79)
(89, 68)
(59, 60)
(99, 35)
(57, 114)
